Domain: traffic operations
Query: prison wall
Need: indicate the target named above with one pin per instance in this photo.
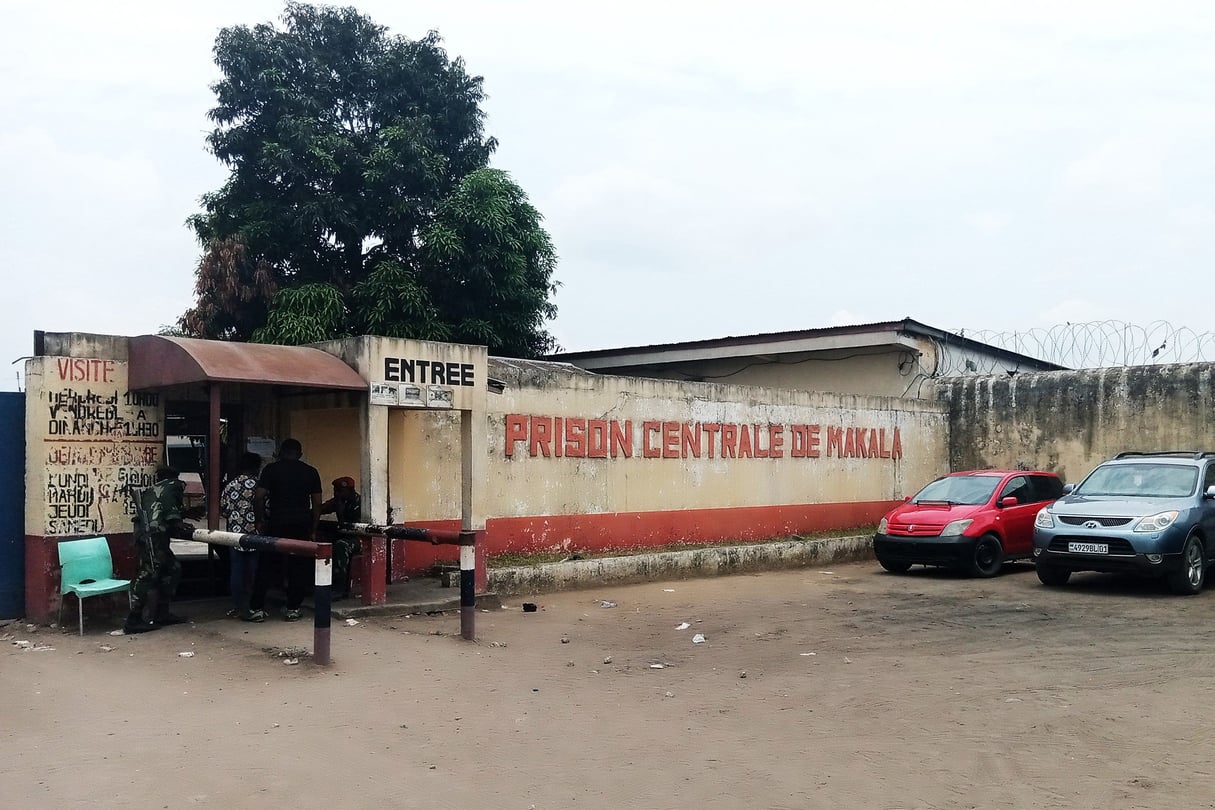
(1070, 421)
(586, 462)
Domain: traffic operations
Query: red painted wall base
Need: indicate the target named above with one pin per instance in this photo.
(640, 530)
(42, 577)
(525, 535)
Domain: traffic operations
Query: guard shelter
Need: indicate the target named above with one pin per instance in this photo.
(99, 410)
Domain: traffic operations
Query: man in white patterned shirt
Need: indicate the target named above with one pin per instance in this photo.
(236, 506)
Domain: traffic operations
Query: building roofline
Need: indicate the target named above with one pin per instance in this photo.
(906, 326)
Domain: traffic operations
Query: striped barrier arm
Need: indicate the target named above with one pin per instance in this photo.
(466, 540)
(322, 593)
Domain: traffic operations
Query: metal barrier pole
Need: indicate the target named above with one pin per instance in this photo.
(465, 539)
(322, 600)
(322, 596)
(468, 585)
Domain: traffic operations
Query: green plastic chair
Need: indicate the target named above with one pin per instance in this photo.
(86, 569)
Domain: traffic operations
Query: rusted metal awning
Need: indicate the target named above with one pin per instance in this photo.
(158, 361)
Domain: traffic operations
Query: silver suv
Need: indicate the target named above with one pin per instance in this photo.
(1151, 514)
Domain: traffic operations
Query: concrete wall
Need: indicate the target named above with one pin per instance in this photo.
(87, 438)
(330, 437)
(1071, 421)
(584, 461)
(407, 376)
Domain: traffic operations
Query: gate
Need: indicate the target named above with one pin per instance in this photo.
(12, 504)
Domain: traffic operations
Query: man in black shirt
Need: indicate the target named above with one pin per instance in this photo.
(287, 503)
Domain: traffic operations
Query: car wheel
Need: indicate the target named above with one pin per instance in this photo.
(988, 556)
(1048, 575)
(894, 567)
(1189, 578)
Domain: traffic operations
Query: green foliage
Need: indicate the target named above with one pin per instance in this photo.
(392, 302)
(357, 161)
(306, 314)
(489, 265)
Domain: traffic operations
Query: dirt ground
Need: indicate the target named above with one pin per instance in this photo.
(839, 688)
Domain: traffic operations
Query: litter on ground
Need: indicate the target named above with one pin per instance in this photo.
(683, 626)
(699, 639)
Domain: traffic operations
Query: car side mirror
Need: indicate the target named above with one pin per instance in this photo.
(1007, 502)
(1210, 493)
(1068, 489)
(906, 498)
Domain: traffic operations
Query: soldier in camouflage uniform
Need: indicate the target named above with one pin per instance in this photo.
(348, 507)
(158, 518)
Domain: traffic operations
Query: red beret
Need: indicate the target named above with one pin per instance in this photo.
(344, 481)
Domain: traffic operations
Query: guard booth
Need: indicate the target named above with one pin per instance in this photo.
(414, 389)
(96, 428)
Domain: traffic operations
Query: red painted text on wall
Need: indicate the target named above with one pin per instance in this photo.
(77, 369)
(580, 437)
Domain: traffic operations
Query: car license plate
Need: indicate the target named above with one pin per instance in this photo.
(1088, 548)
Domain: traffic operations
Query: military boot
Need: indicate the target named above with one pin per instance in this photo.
(136, 624)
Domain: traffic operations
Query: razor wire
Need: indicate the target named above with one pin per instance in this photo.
(1097, 344)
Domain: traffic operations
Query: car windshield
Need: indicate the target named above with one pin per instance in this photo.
(961, 489)
(1141, 481)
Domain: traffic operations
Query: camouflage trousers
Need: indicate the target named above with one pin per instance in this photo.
(344, 548)
(158, 569)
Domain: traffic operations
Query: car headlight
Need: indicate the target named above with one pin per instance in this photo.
(1044, 520)
(882, 524)
(1156, 523)
(957, 526)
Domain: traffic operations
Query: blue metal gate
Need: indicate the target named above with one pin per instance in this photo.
(12, 504)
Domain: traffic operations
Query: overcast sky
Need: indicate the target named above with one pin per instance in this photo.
(705, 168)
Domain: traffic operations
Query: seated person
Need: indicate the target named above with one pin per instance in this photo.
(348, 507)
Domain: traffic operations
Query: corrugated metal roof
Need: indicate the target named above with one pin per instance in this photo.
(906, 325)
(737, 340)
(157, 361)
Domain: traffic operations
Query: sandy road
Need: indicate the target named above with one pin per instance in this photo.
(861, 690)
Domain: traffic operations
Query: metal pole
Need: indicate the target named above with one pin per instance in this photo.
(468, 585)
(257, 542)
(466, 539)
(322, 600)
(322, 597)
(213, 460)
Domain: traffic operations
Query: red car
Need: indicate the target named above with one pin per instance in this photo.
(971, 521)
